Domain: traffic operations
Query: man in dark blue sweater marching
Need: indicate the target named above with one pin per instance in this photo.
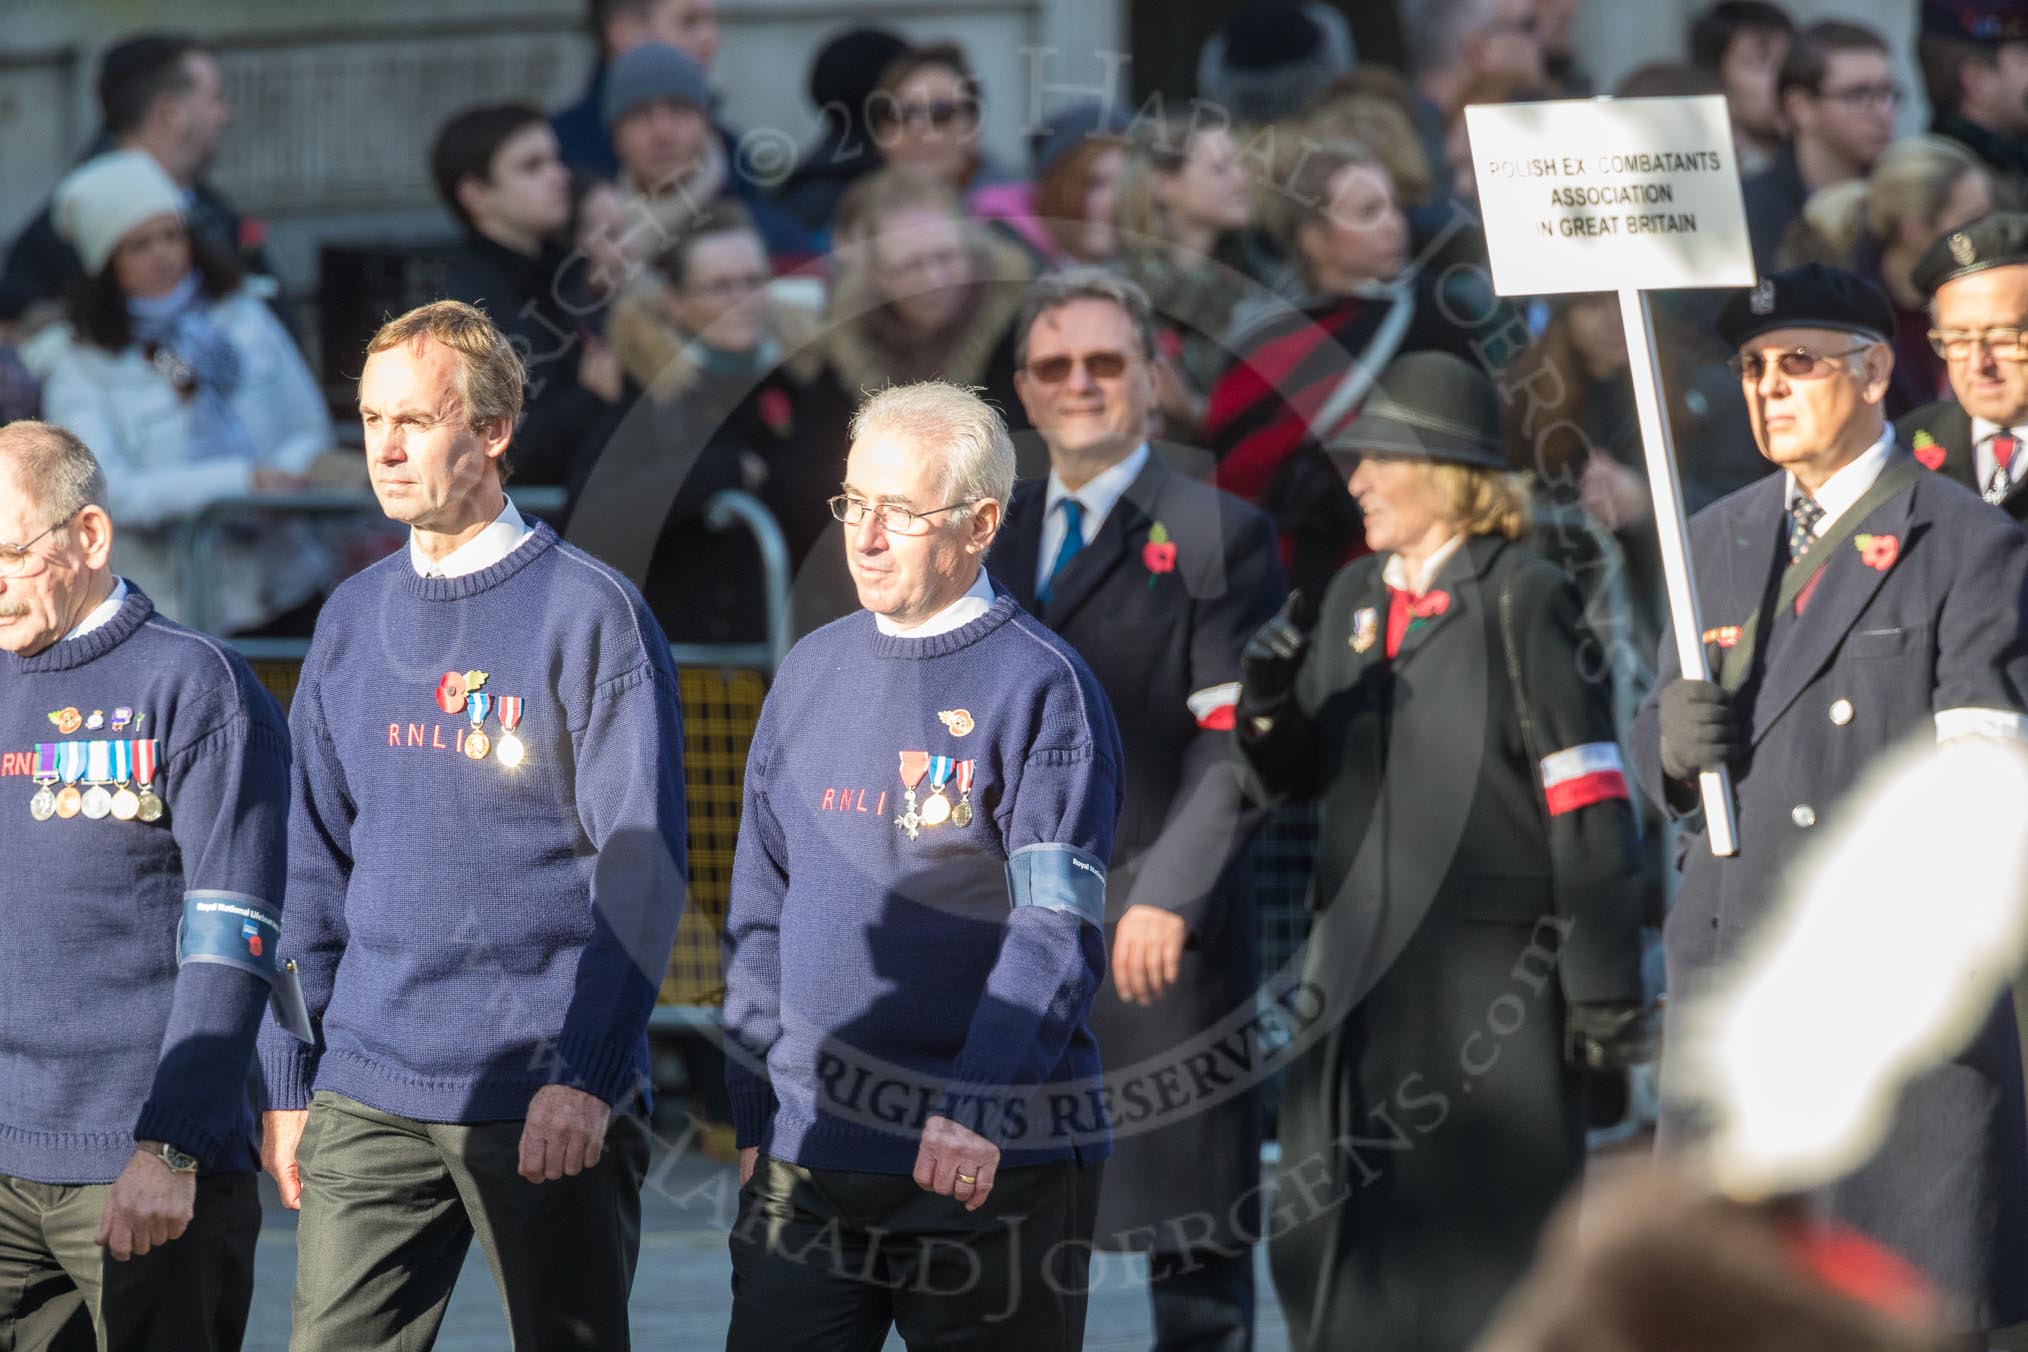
(915, 936)
(144, 788)
(486, 871)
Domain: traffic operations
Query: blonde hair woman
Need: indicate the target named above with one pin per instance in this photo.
(1920, 189)
(1471, 809)
(1184, 198)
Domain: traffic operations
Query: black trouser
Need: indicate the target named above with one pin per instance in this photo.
(1203, 1300)
(825, 1260)
(60, 1290)
(390, 1207)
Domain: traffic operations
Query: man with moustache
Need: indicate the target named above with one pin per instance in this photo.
(915, 932)
(486, 872)
(1158, 581)
(1853, 600)
(1977, 283)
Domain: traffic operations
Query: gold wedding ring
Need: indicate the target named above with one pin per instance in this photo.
(968, 1178)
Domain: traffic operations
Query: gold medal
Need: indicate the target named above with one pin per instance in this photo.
(961, 815)
(126, 804)
(69, 802)
(477, 745)
(937, 810)
(148, 806)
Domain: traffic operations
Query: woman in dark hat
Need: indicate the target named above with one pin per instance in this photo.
(1477, 891)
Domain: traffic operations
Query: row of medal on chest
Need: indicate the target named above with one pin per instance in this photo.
(117, 778)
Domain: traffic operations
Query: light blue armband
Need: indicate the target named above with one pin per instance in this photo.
(1059, 878)
(230, 928)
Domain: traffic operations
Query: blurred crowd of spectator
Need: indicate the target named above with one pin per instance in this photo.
(1298, 219)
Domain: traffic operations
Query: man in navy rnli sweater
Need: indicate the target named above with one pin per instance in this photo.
(144, 789)
(486, 871)
(915, 931)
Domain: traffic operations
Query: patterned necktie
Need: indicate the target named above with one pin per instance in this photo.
(2003, 445)
(1804, 514)
(1073, 541)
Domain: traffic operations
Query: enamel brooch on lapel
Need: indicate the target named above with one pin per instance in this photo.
(1365, 628)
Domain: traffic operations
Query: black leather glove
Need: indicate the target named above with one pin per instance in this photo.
(1608, 1036)
(1700, 731)
(1272, 657)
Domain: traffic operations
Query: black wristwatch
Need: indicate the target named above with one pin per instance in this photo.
(178, 1161)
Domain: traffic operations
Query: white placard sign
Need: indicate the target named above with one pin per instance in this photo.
(1609, 194)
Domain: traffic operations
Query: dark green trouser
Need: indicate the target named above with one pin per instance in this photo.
(59, 1290)
(390, 1206)
(825, 1260)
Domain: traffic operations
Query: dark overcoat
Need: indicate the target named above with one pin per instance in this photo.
(1940, 435)
(1162, 630)
(1925, 634)
(1429, 1131)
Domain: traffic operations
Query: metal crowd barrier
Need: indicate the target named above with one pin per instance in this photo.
(721, 687)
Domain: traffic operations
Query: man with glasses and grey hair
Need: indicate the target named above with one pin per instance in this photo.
(144, 792)
(915, 931)
(1977, 283)
(1850, 602)
(1158, 581)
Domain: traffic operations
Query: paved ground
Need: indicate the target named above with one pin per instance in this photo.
(682, 1290)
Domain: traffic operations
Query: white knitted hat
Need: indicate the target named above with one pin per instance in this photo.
(105, 197)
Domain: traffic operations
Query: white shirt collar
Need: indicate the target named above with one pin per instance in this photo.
(1395, 573)
(1848, 485)
(1099, 493)
(102, 613)
(1983, 431)
(483, 550)
(977, 600)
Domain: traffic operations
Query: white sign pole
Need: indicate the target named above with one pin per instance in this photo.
(1667, 491)
(1626, 195)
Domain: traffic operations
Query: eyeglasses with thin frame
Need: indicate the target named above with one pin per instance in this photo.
(895, 519)
(1797, 364)
(14, 559)
(728, 288)
(1860, 96)
(1055, 370)
(2005, 344)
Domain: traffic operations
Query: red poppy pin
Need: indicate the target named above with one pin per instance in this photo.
(1424, 608)
(1725, 636)
(775, 411)
(1927, 452)
(1159, 554)
(1878, 551)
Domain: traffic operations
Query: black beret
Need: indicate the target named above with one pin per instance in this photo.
(1427, 406)
(1812, 296)
(1989, 23)
(1997, 240)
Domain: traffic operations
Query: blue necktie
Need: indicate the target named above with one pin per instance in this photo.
(1073, 541)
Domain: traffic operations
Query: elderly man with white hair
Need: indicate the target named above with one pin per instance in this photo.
(915, 931)
(144, 791)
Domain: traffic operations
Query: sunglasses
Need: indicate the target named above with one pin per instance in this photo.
(935, 112)
(1800, 364)
(1056, 370)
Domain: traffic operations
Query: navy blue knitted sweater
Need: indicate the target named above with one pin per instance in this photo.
(875, 978)
(469, 930)
(102, 1038)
